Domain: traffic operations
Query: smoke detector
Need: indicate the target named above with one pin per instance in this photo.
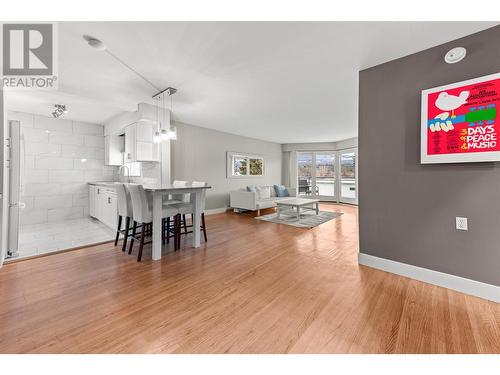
(455, 55)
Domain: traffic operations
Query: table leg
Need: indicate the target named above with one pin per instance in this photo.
(317, 208)
(157, 208)
(298, 212)
(196, 200)
(278, 209)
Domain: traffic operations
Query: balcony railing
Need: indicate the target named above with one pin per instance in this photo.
(325, 186)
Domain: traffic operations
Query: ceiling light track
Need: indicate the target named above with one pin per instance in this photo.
(132, 69)
(166, 131)
(100, 46)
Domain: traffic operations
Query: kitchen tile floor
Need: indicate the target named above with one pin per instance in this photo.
(36, 239)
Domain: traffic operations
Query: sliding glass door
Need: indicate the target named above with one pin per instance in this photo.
(348, 177)
(328, 175)
(325, 175)
(305, 173)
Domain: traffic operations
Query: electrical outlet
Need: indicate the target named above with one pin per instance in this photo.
(461, 223)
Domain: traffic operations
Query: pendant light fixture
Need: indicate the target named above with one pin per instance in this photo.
(163, 133)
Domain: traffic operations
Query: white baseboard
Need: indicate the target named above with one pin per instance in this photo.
(214, 211)
(445, 280)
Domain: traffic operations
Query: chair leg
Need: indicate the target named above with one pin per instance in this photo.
(204, 226)
(134, 228)
(118, 229)
(125, 237)
(177, 232)
(168, 229)
(141, 245)
(163, 226)
(184, 223)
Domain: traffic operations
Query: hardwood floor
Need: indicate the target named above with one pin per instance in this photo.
(255, 287)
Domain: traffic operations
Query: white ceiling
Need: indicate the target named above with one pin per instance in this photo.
(285, 82)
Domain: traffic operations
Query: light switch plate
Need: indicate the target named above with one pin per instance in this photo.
(461, 223)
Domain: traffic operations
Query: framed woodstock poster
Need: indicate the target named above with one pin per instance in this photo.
(460, 122)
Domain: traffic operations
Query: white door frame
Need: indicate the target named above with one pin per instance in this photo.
(349, 200)
(4, 180)
(337, 197)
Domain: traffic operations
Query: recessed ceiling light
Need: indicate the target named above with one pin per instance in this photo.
(455, 55)
(94, 42)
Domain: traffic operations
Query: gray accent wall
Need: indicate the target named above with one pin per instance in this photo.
(200, 154)
(407, 210)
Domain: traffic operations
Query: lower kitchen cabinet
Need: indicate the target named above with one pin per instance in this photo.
(103, 205)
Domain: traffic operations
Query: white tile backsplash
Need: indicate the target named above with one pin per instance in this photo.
(42, 189)
(77, 188)
(94, 141)
(66, 138)
(53, 124)
(55, 178)
(95, 175)
(54, 201)
(46, 149)
(36, 176)
(86, 128)
(35, 135)
(49, 162)
(29, 162)
(87, 164)
(72, 151)
(65, 176)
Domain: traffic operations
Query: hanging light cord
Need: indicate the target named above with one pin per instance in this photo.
(132, 69)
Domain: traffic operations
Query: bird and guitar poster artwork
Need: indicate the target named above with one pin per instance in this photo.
(460, 121)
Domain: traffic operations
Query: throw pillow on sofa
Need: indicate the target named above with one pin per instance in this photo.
(251, 189)
(263, 192)
(281, 191)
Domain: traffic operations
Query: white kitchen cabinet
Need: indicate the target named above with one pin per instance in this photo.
(103, 205)
(130, 143)
(113, 150)
(92, 197)
(144, 132)
(139, 145)
(110, 209)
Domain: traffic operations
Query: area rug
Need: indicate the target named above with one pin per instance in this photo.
(308, 219)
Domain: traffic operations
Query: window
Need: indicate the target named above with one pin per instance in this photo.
(243, 165)
(256, 166)
(239, 166)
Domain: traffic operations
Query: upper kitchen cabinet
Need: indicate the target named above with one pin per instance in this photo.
(139, 128)
(114, 149)
(139, 145)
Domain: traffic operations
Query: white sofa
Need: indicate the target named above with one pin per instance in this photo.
(255, 201)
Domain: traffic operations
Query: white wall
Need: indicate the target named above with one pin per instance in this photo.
(200, 154)
(55, 178)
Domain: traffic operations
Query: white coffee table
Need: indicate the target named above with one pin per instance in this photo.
(285, 205)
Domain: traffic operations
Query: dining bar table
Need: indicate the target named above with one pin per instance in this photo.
(158, 192)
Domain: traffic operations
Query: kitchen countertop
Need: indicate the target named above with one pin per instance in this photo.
(109, 184)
